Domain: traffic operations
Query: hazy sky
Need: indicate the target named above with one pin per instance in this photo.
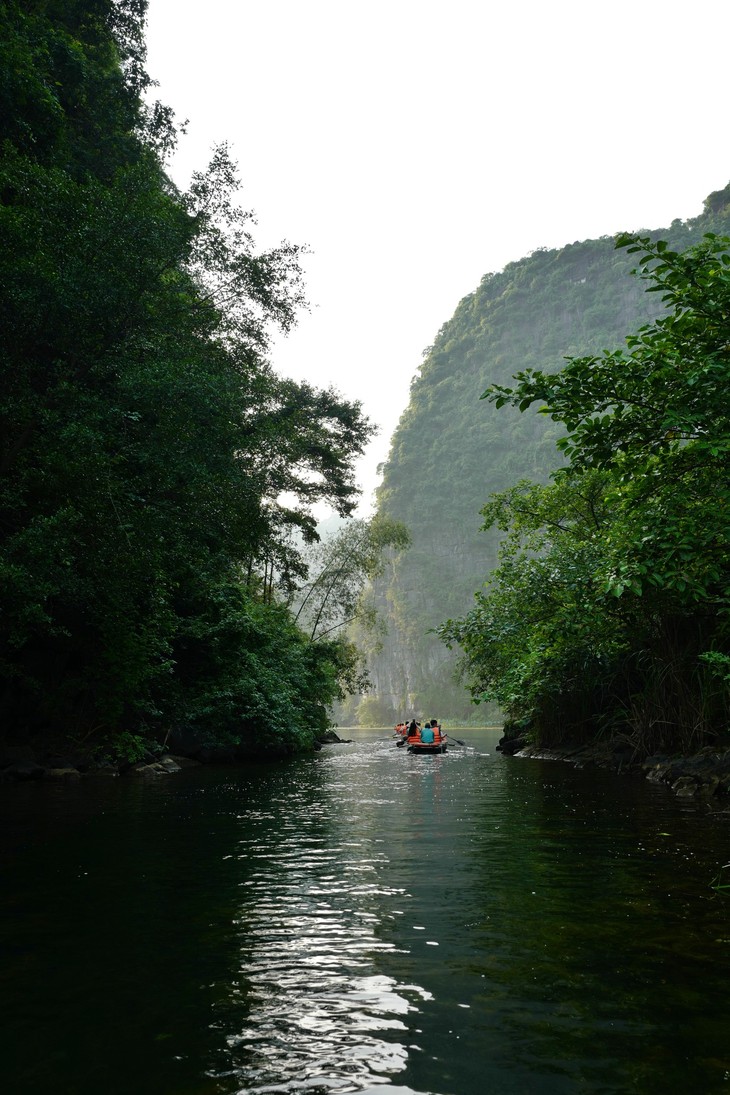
(415, 145)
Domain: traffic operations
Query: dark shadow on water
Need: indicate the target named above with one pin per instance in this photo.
(364, 921)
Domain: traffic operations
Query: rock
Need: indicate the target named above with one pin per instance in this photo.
(164, 766)
(151, 771)
(702, 775)
(185, 762)
(657, 760)
(79, 761)
(329, 737)
(511, 746)
(63, 773)
(141, 769)
(23, 770)
(710, 785)
(685, 787)
(169, 763)
(693, 787)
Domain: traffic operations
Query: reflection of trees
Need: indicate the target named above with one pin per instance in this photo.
(591, 945)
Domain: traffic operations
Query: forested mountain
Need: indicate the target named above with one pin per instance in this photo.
(451, 449)
(145, 441)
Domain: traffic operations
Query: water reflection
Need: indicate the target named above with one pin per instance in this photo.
(364, 921)
(599, 945)
(314, 897)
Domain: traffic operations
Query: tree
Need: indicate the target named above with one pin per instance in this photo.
(635, 589)
(539, 637)
(343, 564)
(656, 417)
(145, 441)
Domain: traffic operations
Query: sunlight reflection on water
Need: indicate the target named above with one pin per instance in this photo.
(429, 920)
(364, 921)
(313, 900)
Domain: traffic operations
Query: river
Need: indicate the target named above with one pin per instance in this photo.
(364, 921)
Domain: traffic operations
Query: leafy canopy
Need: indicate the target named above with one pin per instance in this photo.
(614, 580)
(153, 466)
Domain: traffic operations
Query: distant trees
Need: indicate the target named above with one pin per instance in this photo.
(152, 465)
(339, 568)
(335, 602)
(609, 606)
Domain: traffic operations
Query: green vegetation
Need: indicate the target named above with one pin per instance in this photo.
(333, 597)
(451, 450)
(608, 610)
(145, 442)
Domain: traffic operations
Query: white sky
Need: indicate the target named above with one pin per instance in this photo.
(415, 145)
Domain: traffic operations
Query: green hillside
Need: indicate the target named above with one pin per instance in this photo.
(451, 450)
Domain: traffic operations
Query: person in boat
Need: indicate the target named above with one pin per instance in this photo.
(428, 734)
(413, 729)
(436, 727)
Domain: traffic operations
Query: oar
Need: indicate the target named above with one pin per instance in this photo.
(458, 741)
(401, 743)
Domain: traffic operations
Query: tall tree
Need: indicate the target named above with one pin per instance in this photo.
(145, 440)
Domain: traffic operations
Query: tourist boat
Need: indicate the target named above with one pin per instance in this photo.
(428, 739)
(438, 745)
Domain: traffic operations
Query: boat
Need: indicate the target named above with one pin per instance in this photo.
(416, 745)
(428, 739)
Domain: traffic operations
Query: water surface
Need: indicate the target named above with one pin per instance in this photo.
(364, 921)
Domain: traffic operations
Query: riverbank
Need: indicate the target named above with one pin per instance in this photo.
(704, 775)
(21, 763)
(25, 769)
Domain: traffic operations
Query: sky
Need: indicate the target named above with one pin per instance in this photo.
(416, 145)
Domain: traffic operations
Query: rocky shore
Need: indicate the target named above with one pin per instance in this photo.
(704, 775)
(19, 764)
(70, 769)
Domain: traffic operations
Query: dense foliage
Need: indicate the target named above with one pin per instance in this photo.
(451, 451)
(609, 609)
(146, 445)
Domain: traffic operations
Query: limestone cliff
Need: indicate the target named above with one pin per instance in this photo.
(451, 449)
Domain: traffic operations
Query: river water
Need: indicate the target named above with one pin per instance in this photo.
(364, 921)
